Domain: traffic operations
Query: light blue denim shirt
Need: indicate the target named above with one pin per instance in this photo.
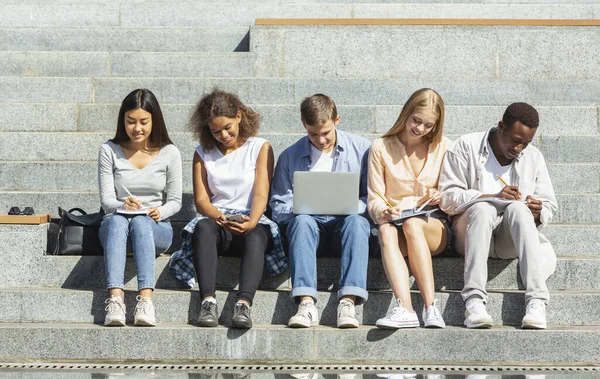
(350, 155)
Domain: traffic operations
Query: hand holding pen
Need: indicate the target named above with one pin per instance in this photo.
(390, 213)
(131, 203)
(508, 192)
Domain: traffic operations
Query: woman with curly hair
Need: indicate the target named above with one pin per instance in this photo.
(232, 172)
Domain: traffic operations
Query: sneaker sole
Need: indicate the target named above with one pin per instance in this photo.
(435, 325)
(207, 324)
(302, 325)
(348, 324)
(144, 323)
(533, 326)
(396, 325)
(241, 324)
(115, 323)
(482, 325)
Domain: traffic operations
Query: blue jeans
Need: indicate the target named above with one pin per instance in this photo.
(347, 236)
(147, 238)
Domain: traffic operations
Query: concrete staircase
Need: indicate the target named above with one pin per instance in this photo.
(64, 68)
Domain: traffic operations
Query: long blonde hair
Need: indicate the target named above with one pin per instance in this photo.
(425, 98)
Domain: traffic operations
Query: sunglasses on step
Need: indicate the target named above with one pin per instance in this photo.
(17, 211)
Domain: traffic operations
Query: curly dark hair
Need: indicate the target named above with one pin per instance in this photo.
(220, 103)
(522, 112)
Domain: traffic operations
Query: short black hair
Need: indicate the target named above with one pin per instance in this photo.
(522, 112)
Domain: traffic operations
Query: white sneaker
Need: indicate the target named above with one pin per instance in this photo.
(346, 315)
(398, 317)
(432, 317)
(144, 312)
(115, 311)
(476, 315)
(535, 315)
(307, 316)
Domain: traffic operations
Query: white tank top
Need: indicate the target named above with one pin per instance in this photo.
(231, 177)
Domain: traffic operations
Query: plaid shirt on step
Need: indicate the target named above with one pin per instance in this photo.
(181, 261)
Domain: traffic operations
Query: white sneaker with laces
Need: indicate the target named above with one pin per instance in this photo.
(432, 317)
(115, 311)
(346, 315)
(144, 314)
(307, 316)
(476, 315)
(398, 317)
(535, 315)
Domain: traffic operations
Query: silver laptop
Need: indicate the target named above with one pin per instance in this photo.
(326, 193)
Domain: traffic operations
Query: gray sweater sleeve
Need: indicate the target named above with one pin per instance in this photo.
(106, 180)
(157, 185)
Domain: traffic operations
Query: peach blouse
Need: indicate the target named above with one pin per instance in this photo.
(391, 174)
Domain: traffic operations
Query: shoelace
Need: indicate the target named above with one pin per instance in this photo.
(143, 305)
(208, 306)
(477, 307)
(535, 306)
(113, 305)
(346, 309)
(433, 313)
(242, 309)
(398, 311)
(303, 309)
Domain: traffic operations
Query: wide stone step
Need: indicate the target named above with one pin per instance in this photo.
(215, 39)
(88, 272)
(282, 91)
(82, 176)
(277, 344)
(199, 14)
(276, 307)
(457, 52)
(125, 64)
(459, 119)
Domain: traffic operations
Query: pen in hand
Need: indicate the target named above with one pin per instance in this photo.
(514, 190)
(383, 198)
(132, 199)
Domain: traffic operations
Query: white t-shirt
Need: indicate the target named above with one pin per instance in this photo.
(490, 184)
(231, 177)
(320, 161)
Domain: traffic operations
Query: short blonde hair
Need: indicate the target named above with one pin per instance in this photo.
(425, 98)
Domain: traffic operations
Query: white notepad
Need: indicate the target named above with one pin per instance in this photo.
(143, 211)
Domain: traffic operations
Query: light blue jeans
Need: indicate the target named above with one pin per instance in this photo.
(346, 236)
(147, 239)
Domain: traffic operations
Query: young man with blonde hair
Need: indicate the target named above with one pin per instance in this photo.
(324, 148)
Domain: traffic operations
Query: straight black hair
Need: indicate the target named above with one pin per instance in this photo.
(143, 99)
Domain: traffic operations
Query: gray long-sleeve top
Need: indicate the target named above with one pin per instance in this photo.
(159, 184)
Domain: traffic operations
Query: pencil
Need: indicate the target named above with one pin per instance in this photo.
(502, 180)
(383, 197)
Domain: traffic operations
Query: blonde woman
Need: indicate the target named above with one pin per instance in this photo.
(404, 167)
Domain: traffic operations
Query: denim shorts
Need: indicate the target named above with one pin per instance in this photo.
(438, 214)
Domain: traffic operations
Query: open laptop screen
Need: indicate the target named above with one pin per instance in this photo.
(326, 193)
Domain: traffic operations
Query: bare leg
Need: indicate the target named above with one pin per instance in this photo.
(394, 263)
(424, 237)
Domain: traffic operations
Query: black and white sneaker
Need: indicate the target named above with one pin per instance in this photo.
(307, 316)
